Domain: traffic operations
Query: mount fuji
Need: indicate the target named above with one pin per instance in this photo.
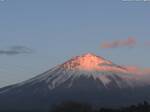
(86, 78)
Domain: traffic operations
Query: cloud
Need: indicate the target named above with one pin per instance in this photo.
(129, 42)
(143, 74)
(147, 43)
(15, 50)
(138, 70)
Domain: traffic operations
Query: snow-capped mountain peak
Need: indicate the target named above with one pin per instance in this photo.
(85, 62)
(90, 62)
(87, 66)
(87, 77)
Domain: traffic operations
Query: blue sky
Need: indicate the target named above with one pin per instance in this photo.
(56, 30)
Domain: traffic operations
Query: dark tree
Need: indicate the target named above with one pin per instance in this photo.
(72, 107)
(81, 107)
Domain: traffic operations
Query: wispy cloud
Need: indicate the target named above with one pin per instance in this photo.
(138, 70)
(143, 74)
(15, 50)
(147, 43)
(129, 42)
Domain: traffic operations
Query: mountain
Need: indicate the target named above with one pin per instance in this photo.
(86, 78)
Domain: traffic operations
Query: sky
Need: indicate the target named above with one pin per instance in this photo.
(36, 35)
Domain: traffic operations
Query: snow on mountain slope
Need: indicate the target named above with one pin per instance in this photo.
(87, 65)
(86, 78)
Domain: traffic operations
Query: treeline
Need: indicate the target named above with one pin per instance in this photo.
(81, 107)
(71, 106)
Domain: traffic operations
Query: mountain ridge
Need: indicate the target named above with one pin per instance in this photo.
(88, 78)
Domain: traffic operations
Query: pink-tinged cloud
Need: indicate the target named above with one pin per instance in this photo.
(138, 70)
(129, 42)
(147, 43)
